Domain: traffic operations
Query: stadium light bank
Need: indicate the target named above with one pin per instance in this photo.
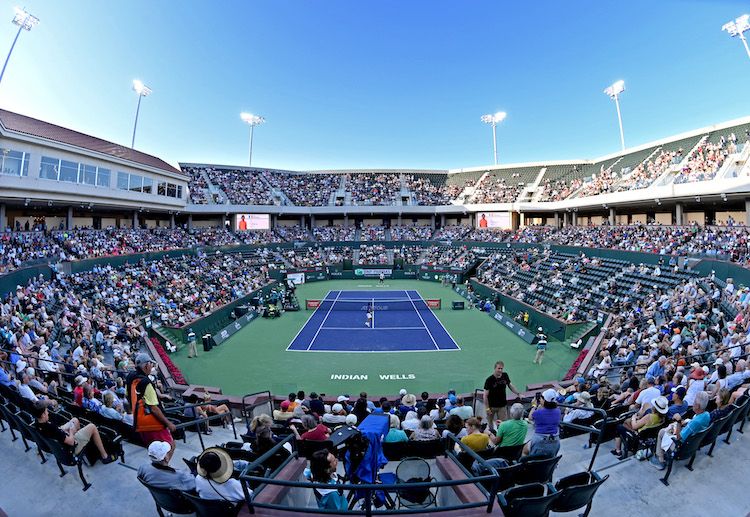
(252, 121)
(614, 92)
(737, 28)
(494, 120)
(143, 91)
(25, 22)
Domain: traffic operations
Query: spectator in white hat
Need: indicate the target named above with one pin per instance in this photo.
(159, 474)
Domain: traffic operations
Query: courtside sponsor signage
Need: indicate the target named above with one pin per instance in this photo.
(372, 272)
(234, 327)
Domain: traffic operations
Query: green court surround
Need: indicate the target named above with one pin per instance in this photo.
(256, 358)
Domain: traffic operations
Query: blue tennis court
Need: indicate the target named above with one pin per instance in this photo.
(400, 321)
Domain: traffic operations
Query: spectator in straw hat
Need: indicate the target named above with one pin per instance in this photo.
(214, 480)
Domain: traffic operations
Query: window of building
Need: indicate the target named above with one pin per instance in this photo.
(88, 174)
(14, 163)
(122, 180)
(103, 177)
(148, 186)
(49, 168)
(136, 183)
(68, 171)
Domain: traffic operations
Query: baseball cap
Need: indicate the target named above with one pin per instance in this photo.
(680, 391)
(143, 358)
(337, 408)
(549, 395)
(342, 398)
(157, 451)
(402, 392)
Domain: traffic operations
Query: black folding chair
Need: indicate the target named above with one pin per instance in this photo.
(577, 491)
(414, 470)
(714, 430)
(685, 450)
(526, 500)
(213, 507)
(537, 470)
(171, 500)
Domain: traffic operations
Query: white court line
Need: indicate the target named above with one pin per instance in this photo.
(378, 351)
(373, 313)
(324, 321)
(422, 319)
(379, 328)
(303, 327)
(458, 347)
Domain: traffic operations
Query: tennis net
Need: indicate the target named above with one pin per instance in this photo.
(364, 304)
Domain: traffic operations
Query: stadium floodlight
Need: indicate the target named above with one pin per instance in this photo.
(614, 92)
(494, 120)
(143, 91)
(252, 121)
(25, 22)
(737, 28)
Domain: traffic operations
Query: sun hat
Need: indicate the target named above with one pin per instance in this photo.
(549, 395)
(660, 404)
(215, 464)
(157, 451)
(409, 399)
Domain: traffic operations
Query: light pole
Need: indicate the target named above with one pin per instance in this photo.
(252, 121)
(494, 120)
(614, 92)
(737, 28)
(143, 91)
(25, 21)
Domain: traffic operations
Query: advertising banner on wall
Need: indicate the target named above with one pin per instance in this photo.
(372, 272)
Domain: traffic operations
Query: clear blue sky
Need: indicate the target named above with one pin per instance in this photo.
(385, 83)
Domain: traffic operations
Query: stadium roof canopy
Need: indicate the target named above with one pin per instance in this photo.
(17, 123)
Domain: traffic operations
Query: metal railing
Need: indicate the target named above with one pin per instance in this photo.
(368, 489)
(247, 409)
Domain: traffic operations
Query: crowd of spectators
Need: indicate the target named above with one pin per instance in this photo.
(495, 189)
(243, 187)
(198, 186)
(648, 171)
(373, 188)
(306, 189)
(454, 232)
(558, 190)
(372, 233)
(334, 233)
(373, 254)
(411, 233)
(428, 193)
(317, 256)
(293, 233)
(705, 161)
(409, 254)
